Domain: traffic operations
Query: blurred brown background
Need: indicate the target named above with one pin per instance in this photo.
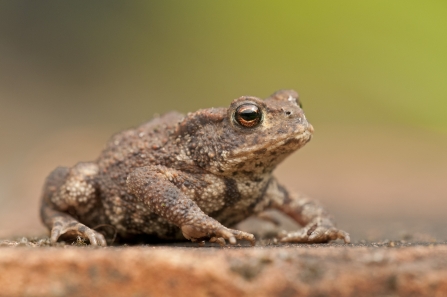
(372, 76)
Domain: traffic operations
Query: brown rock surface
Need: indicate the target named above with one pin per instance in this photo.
(386, 269)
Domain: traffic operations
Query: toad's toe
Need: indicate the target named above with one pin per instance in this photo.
(61, 227)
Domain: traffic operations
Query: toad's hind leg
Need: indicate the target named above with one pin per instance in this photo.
(70, 193)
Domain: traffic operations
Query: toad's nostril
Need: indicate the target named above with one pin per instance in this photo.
(288, 113)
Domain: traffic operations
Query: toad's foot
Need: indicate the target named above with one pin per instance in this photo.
(318, 231)
(218, 235)
(71, 227)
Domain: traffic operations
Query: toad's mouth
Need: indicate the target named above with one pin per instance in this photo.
(292, 141)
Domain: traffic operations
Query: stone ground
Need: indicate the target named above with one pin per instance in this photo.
(30, 267)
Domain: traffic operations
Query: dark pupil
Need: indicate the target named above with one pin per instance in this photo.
(249, 114)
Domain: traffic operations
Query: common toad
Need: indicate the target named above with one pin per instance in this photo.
(190, 177)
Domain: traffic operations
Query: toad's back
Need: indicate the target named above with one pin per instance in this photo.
(149, 144)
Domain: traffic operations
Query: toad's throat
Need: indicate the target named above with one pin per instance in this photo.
(293, 142)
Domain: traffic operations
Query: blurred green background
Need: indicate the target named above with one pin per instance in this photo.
(372, 76)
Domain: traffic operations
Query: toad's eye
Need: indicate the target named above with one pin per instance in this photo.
(248, 115)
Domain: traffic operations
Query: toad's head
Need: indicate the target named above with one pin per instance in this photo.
(251, 136)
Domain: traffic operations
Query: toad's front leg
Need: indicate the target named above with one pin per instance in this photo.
(318, 224)
(153, 186)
